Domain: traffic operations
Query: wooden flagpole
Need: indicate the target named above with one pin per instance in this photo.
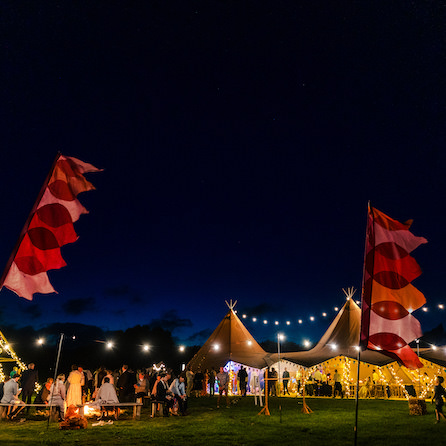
(265, 409)
(369, 207)
(55, 376)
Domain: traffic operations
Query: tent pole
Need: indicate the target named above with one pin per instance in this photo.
(265, 409)
(55, 377)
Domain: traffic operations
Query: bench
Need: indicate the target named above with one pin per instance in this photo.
(5, 409)
(54, 412)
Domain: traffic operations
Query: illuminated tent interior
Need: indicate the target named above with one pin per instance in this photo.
(337, 349)
(232, 345)
(8, 355)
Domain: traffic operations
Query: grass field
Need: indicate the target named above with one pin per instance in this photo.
(381, 422)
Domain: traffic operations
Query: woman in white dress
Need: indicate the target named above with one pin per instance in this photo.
(76, 381)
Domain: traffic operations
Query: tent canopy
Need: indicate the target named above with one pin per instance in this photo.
(230, 341)
(341, 339)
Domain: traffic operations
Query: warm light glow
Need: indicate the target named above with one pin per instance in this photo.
(254, 319)
(434, 347)
(307, 343)
(288, 322)
(311, 318)
(276, 322)
(40, 341)
(324, 314)
(280, 336)
(300, 321)
(333, 346)
(145, 347)
(109, 345)
(336, 308)
(265, 321)
(89, 410)
(181, 348)
(410, 310)
(425, 309)
(73, 337)
(441, 306)
(358, 302)
(249, 342)
(244, 316)
(216, 347)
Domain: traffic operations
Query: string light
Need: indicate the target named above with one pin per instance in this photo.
(346, 375)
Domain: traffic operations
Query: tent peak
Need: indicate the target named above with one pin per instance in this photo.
(349, 293)
(231, 304)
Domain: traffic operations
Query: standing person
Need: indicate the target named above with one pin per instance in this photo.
(28, 382)
(439, 393)
(76, 381)
(223, 384)
(99, 375)
(125, 384)
(189, 381)
(84, 384)
(198, 382)
(89, 384)
(205, 383)
(243, 379)
(56, 396)
(10, 394)
(272, 382)
(178, 390)
(286, 379)
(337, 384)
(212, 375)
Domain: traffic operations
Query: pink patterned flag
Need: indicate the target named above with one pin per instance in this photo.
(388, 297)
(49, 226)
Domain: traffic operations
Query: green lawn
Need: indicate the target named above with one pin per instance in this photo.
(381, 422)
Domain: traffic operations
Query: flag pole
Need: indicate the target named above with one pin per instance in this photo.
(55, 376)
(28, 221)
(360, 328)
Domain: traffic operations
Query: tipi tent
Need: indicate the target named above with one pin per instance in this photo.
(230, 341)
(341, 339)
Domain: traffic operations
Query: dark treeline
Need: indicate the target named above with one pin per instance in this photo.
(86, 346)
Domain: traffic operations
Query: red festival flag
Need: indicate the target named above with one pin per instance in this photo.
(49, 226)
(388, 297)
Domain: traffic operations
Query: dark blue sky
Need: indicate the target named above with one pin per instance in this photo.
(241, 143)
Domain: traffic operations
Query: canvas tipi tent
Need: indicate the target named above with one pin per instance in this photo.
(230, 341)
(341, 339)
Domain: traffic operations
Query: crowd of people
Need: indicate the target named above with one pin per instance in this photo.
(166, 390)
(101, 388)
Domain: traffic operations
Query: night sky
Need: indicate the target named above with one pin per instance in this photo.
(240, 142)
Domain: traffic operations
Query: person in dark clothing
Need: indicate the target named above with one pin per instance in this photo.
(125, 385)
(286, 378)
(439, 393)
(164, 394)
(198, 382)
(28, 382)
(243, 378)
